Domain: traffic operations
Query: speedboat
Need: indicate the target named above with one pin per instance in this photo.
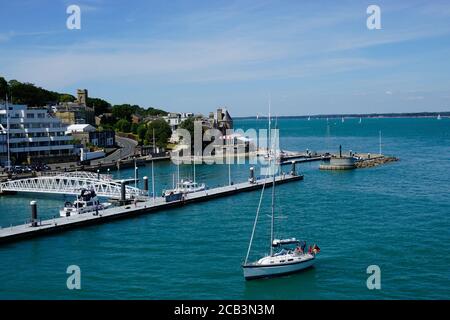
(86, 202)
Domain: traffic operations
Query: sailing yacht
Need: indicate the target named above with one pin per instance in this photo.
(360, 120)
(439, 117)
(286, 255)
(342, 120)
(183, 187)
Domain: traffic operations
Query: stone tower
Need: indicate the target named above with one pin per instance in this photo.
(82, 95)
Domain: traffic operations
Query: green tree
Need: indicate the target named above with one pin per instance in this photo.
(123, 125)
(153, 112)
(134, 127)
(101, 106)
(162, 132)
(141, 132)
(106, 126)
(123, 111)
(188, 125)
(65, 97)
(3, 88)
(29, 94)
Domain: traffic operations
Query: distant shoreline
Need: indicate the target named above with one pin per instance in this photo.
(445, 114)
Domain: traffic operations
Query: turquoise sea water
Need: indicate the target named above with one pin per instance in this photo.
(395, 216)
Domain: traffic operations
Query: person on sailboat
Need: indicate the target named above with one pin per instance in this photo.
(299, 250)
(303, 246)
(316, 249)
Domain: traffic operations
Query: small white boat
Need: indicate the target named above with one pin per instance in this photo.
(439, 117)
(360, 120)
(183, 187)
(188, 186)
(342, 120)
(86, 202)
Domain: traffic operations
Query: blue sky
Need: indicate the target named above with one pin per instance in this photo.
(310, 56)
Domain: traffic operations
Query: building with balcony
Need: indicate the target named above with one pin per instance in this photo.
(34, 136)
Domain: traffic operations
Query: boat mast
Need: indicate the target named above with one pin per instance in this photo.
(228, 157)
(178, 169)
(259, 204)
(153, 172)
(379, 138)
(7, 133)
(135, 173)
(194, 168)
(272, 166)
(268, 142)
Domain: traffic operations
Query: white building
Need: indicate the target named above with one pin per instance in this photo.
(33, 135)
(80, 128)
(174, 120)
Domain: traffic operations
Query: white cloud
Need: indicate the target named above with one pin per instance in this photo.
(412, 98)
(254, 48)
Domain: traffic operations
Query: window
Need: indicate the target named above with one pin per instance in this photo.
(30, 115)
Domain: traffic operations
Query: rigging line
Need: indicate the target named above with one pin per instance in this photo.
(256, 219)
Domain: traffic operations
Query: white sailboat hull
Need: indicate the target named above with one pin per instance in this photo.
(267, 271)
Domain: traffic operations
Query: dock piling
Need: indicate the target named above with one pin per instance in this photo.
(33, 206)
(293, 171)
(122, 191)
(252, 175)
(146, 183)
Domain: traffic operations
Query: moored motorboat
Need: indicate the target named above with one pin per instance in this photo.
(86, 202)
(182, 188)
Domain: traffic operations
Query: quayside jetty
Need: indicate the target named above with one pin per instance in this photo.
(37, 227)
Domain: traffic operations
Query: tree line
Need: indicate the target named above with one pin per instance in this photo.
(33, 96)
(118, 117)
